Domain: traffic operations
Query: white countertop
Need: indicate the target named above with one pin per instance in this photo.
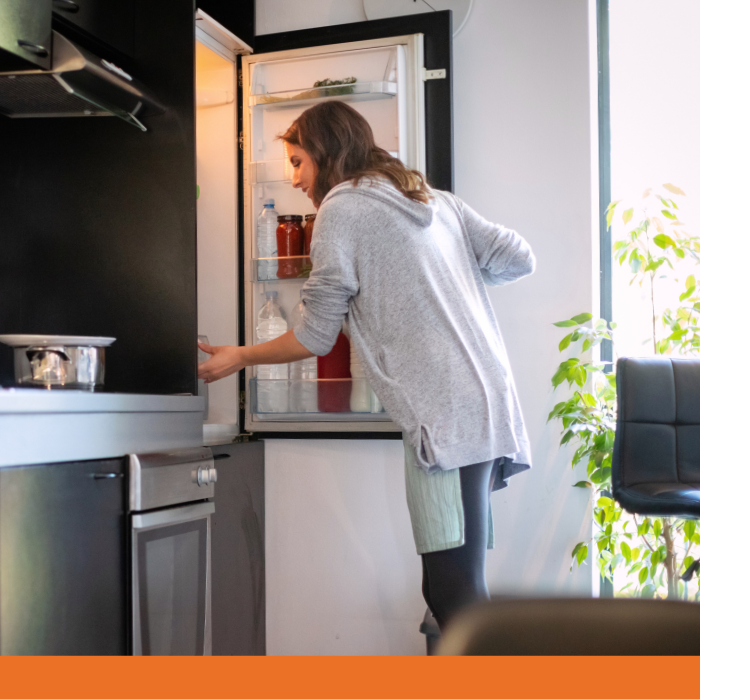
(64, 401)
(39, 426)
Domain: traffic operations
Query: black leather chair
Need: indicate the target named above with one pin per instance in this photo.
(656, 457)
(574, 626)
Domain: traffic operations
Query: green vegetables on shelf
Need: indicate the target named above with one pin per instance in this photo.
(321, 88)
(345, 90)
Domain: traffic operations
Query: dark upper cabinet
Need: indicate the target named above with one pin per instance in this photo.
(97, 218)
(110, 22)
(25, 34)
(236, 16)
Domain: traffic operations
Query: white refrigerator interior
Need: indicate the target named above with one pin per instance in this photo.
(382, 80)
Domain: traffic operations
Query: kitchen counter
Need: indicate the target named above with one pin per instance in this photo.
(39, 426)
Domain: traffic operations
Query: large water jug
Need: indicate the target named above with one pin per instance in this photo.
(359, 401)
(303, 374)
(272, 380)
(267, 247)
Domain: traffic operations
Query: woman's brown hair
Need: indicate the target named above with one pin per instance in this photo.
(341, 144)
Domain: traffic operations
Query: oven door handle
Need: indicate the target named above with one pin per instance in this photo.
(172, 516)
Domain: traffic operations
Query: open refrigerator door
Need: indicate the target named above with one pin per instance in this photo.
(383, 80)
(216, 124)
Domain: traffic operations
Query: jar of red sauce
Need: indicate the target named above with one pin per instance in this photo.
(309, 224)
(289, 242)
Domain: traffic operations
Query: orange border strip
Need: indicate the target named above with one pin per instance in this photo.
(348, 677)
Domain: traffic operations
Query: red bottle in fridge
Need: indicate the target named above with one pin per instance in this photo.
(333, 397)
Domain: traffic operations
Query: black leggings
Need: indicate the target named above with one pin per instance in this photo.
(453, 578)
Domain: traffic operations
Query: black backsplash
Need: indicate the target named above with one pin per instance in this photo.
(97, 221)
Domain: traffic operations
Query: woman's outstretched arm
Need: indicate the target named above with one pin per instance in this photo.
(228, 359)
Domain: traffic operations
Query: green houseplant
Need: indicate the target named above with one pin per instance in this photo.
(655, 556)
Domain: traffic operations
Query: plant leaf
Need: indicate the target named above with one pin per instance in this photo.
(625, 549)
(582, 485)
(662, 240)
(581, 554)
(627, 215)
(610, 214)
(565, 342)
(565, 324)
(671, 188)
(582, 318)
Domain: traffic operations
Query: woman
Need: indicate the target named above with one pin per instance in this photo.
(408, 265)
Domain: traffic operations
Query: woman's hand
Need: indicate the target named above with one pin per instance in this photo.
(224, 360)
(228, 359)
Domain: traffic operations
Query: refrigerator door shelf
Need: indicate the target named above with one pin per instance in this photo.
(353, 92)
(294, 268)
(262, 171)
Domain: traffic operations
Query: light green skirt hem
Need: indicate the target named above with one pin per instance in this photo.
(436, 508)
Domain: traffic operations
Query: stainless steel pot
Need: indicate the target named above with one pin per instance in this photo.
(59, 362)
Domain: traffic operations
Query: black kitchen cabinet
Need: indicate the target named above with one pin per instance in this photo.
(236, 16)
(25, 34)
(97, 220)
(110, 22)
(238, 579)
(62, 564)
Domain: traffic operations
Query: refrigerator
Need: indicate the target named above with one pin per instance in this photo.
(397, 74)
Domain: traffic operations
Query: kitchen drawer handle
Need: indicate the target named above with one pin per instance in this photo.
(66, 5)
(105, 476)
(33, 48)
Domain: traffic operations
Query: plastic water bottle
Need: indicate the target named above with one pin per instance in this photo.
(303, 388)
(267, 247)
(272, 380)
(359, 401)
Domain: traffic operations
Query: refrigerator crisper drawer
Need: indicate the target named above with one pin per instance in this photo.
(315, 400)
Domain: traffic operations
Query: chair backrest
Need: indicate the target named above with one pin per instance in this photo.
(658, 423)
(574, 626)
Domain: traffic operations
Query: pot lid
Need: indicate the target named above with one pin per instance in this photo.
(20, 341)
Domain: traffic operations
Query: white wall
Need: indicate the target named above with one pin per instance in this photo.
(523, 157)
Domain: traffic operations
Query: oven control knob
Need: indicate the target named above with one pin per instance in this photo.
(212, 476)
(203, 476)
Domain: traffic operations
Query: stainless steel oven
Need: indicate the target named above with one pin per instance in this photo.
(170, 515)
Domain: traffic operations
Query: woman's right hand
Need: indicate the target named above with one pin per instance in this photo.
(224, 360)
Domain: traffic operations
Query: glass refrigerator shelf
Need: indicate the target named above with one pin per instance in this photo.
(352, 92)
(287, 269)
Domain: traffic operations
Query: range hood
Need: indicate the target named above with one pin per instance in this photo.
(79, 85)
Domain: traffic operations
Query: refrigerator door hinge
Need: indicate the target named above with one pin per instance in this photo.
(242, 140)
(242, 400)
(433, 74)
